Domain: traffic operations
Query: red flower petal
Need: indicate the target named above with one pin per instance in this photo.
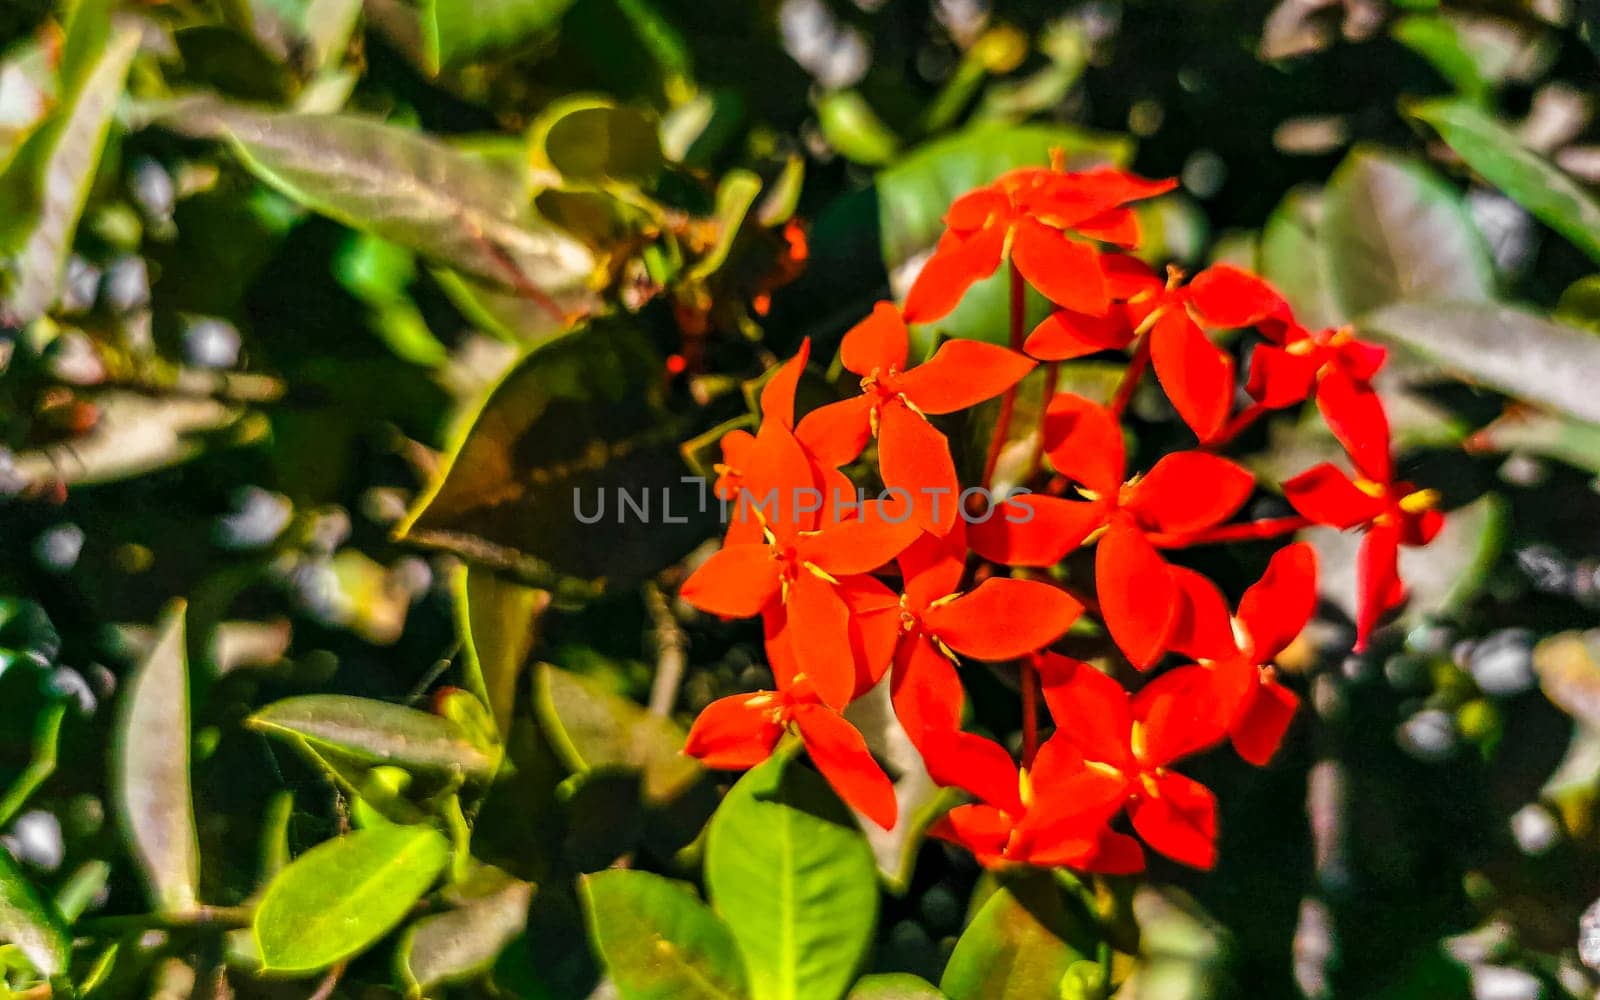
(856, 546)
(933, 566)
(1180, 820)
(1138, 595)
(1197, 375)
(1175, 724)
(1116, 854)
(983, 830)
(962, 373)
(874, 627)
(914, 457)
(925, 690)
(1327, 496)
(735, 733)
(1032, 530)
(836, 434)
(1066, 792)
(1225, 296)
(1189, 491)
(1003, 618)
(975, 209)
(1203, 628)
(1259, 730)
(1378, 586)
(818, 628)
(1355, 415)
(1065, 334)
(1275, 609)
(1279, 378)
(878, 342)
(980, 766)
(1118, 226)
(1090, 709)
(777, 396)
(1085, 443)
(840, 753)
(957, 263)
(1064, 270)
(736, 582)
(775, 486)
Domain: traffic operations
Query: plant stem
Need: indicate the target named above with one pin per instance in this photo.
(1130, 378)
(1249, 531)
(1052, 372)
(1008, 401)
(1030, 711)
(1237, 425)
(672, 651)
(200, 916)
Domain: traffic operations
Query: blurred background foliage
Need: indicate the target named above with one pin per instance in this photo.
(316, 311)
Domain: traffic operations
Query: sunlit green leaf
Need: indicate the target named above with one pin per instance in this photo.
(1019, 945)
(341, 896)
(659, 942)
(894, 986)
(31, 923)
(377, 732)
(790, 873)
(152, 781)
(594, 728)
(592, 140)
(496, 619)
(855, 130)
(458, 32)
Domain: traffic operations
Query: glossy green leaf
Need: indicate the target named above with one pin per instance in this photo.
(914, 193)
(1440, 40)
(1292, 257)
(1493, 150)
(855, 130)
(151, 783)
(1501, 347)
(31, 923)
(894, 986)
(1394, 231)
(377, 732)
(456, 32)
(535, 486)
(589, 140)
(43, 190)
(467, 212)
(659, 942)
(593, 728)
(341, 896)
(1019, 946)
(497, 620)
(792, 876)
(463, 943)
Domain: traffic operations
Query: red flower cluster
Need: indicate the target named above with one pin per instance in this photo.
(914, 584)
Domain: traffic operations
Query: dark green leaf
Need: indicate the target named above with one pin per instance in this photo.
(463, 943)
(592, 727)
(1515, 352)
(1019, 946)
(496, 619)
(789, 871)
(1528, 178)
(1291, 256)
(894, 986)
(30, 923)
(659, 942)
(152, 770)
(341, 896)
(377, 732)
(466, 212)
(587, 140)
(458, 32)
(574, 426)
(43, 191)
(1393, 230)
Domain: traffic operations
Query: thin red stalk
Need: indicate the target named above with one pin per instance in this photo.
(1237, 425)
(1008, 401)
(1249, 531)
(1052, 372)
(1130, 378)
(1030, 711)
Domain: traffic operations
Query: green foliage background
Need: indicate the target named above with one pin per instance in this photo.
(316, 311)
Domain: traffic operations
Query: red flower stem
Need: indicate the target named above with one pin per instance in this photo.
(1008, 401)
(1052, 372)
(1237, 425)
(1130, 378)
(1030, 711)
(1249, 531)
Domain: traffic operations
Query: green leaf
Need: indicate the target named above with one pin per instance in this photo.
(736, 192)
(1393, 230)
(594, 140)
(1549, 435)
(31, 923)
(456, 32)
(894, 986)
(1292, 257)
(43, 191)
(790, 873)
(463, 943)
(1530, 180)
(593, 728)
(377, 732)
(855, 130)
(497, 620)
(575, 425)
(659, 942)
(1515, 352)
(915, 192)
(1440, 39)
(341, 896)
(151, 760)
(1019, 946)
(467, 212)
